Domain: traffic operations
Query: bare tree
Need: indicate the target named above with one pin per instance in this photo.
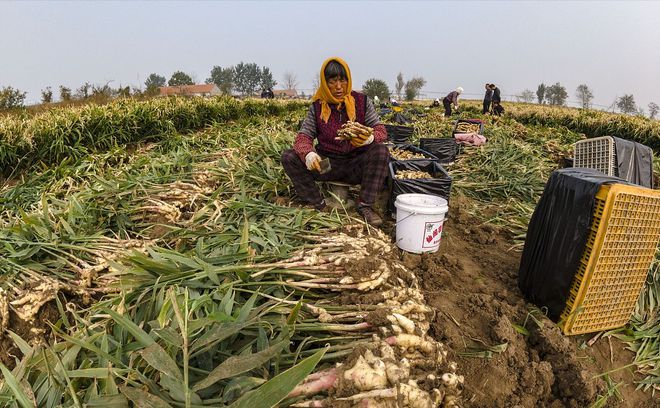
(316, 82)
(585, 95)
(398, 87)
(653, 110)
(525, 96)
(290, 80)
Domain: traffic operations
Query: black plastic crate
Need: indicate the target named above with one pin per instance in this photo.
(473, 121)
(439, 184)
(411, 148)
(399, 134)
(445, 149)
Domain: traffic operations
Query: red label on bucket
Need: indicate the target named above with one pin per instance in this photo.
(432, 234)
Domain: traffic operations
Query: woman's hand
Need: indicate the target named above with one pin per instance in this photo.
(313, 161)
(359, 141)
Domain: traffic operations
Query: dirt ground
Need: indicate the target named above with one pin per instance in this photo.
(472, 282)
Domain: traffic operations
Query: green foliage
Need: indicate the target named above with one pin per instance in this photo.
(266, 78)
(65, 93)
(47, 95)
(413, 86)
(203, 314)
(153, 82)
(247, 78)
(592, 123)
(180, 78)
(11, 98)
(376, 87)
(556, 94)
(204, 321)
(60, 134)
(626, 104)
(585, 95)
(540, 93)
(223, 78)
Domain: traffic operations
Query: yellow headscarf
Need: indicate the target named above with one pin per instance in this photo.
(326, 98)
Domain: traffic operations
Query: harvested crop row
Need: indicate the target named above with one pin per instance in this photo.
(412, 175)
(390, 355)
(400, 154)
(464, 127)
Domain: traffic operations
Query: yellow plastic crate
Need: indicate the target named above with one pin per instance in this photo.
(621, 245)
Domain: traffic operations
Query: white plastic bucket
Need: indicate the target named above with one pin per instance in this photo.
(419, 220)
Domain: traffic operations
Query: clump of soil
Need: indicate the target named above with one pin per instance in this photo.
(35, 332)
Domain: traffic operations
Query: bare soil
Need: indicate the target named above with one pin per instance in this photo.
(472, 283)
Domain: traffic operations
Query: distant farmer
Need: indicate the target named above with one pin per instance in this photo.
(451, 99)
(361, 160)
(376, 101)
(487, 99)
(267, 94)
(497, 100)
(436, 103)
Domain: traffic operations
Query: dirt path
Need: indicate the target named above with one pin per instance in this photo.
(472, 281)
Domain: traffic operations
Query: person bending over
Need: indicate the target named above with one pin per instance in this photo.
(451, 99)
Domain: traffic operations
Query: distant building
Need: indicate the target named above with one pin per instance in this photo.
(190, 90)
(285, 93)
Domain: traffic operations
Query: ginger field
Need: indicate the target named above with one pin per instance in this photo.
(153, 254)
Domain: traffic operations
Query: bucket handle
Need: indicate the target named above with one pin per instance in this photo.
(405, 218)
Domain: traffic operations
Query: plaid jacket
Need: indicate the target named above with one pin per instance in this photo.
(324, 133)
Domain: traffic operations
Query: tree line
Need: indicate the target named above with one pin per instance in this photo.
(408, 90)
(244, 78)
(557, 95)
(248, 78)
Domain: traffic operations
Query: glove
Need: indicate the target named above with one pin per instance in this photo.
(313, 161)
(359, 141)
(455, 106)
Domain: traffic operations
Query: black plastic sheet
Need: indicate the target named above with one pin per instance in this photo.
(399, 134)
(474, 121)
(634, 162)
(400, 119)
(439, 185)
(445, 149)
(557, 235)
(413, 149)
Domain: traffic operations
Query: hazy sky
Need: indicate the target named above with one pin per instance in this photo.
(613, 47)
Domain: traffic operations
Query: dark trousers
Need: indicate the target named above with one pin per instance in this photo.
(447, 106)
(486, 107)
(366, 166)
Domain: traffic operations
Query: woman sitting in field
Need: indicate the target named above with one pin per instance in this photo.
(361, 160)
